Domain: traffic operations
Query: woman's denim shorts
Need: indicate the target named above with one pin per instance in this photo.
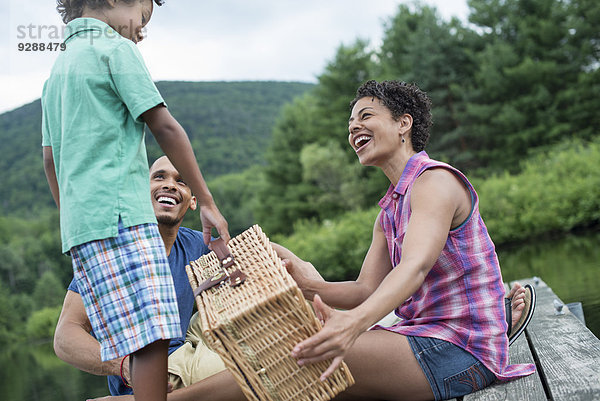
(451, 371)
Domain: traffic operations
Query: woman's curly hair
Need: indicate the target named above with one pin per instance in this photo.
(71, 9)
(402, 98)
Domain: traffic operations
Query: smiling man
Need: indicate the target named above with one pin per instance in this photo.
(73, 340)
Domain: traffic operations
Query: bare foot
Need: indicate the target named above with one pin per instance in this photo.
(517, 302)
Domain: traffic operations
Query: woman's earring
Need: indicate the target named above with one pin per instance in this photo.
(403, 140)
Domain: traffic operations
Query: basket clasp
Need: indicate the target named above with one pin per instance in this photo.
(236, 277)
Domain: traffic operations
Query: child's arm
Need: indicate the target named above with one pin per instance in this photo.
(175, 143)
(51, 173)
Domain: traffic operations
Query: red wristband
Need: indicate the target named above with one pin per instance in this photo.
(123, 377)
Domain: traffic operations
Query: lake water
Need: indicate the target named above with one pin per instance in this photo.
(570, 266)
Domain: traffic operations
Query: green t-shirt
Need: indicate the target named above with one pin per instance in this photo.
(91, 105)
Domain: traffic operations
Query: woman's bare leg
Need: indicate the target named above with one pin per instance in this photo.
(385, 368)
(218, 387)
(382, 363)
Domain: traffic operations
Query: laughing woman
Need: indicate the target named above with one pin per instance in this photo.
(431, 260)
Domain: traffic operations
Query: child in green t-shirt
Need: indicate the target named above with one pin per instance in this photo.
(95, 104)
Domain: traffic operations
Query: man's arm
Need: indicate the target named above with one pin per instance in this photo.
(51, 173)
(173, 140)
(74, 344)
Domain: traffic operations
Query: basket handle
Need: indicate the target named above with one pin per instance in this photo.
(236, 277)
(222, 251)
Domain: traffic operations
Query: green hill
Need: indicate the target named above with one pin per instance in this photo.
(229, 125)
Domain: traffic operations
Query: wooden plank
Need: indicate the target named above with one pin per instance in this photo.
(567, 352)
(527, 388)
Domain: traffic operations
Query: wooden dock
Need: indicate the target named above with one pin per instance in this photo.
(565, 352)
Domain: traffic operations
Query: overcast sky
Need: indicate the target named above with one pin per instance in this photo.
(222, 40)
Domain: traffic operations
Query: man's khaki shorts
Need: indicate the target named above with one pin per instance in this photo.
(193, 361)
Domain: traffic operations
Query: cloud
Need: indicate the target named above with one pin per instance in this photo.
(228, 40)
(257, 40)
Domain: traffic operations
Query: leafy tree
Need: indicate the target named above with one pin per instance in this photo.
(531, 57)
(351, 66)
(41, 323)
(555, 192)
(335, 247)
(8, 316)
(229, 124)
(326, 168)
(578, 106)
(31, 249)
(48, 292)
(23, 305)
(438, 56)
(510, 92)
(579, 102)
(12, 266)
(284, 197)
(319, 119)
(236, 195)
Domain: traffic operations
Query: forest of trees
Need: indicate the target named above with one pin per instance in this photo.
(229, 125)
(515, 93)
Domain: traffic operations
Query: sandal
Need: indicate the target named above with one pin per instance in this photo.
(514, 332)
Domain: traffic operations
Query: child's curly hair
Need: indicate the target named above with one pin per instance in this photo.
(71, 9)
(402, 98)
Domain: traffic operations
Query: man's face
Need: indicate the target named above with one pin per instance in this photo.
(171, 197)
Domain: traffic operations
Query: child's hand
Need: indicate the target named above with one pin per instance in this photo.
(211, 217)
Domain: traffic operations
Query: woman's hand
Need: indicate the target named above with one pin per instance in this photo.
(303, 273)
(333, 341)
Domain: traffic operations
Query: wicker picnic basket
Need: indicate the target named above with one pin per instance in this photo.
(252, 314)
